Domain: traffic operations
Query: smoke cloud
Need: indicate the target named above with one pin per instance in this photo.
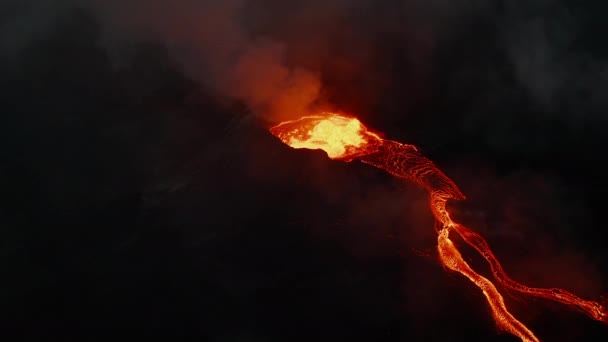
(281, 59)
(267, 54)
(210, 40)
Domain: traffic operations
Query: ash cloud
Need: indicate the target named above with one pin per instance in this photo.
(22, 21)
(214, 47)
(268, 54)
(554, 57)
(282, 59)
(207, 37)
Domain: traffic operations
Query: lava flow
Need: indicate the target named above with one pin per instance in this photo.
(345, 138)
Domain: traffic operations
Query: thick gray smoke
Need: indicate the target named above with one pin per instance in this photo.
(271, 54)
(209, 38)
(264, 53)
(21, 21)
(547, 43)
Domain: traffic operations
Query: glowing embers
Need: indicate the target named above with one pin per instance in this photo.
(341, 137)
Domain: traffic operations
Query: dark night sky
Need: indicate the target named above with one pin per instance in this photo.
(144, 197)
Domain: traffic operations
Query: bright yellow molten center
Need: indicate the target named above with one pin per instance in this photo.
(332, 136)
(335, 134)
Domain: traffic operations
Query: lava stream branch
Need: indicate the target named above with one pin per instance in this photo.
(404, 161)
(452, 259)
(593, 309)
(345, 138)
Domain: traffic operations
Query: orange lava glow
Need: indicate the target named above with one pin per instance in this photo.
(341, 137)
(345, 138)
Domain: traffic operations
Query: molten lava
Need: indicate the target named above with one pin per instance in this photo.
(345, 138)
(339, 136)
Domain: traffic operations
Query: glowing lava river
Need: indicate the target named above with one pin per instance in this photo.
(345, 138)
